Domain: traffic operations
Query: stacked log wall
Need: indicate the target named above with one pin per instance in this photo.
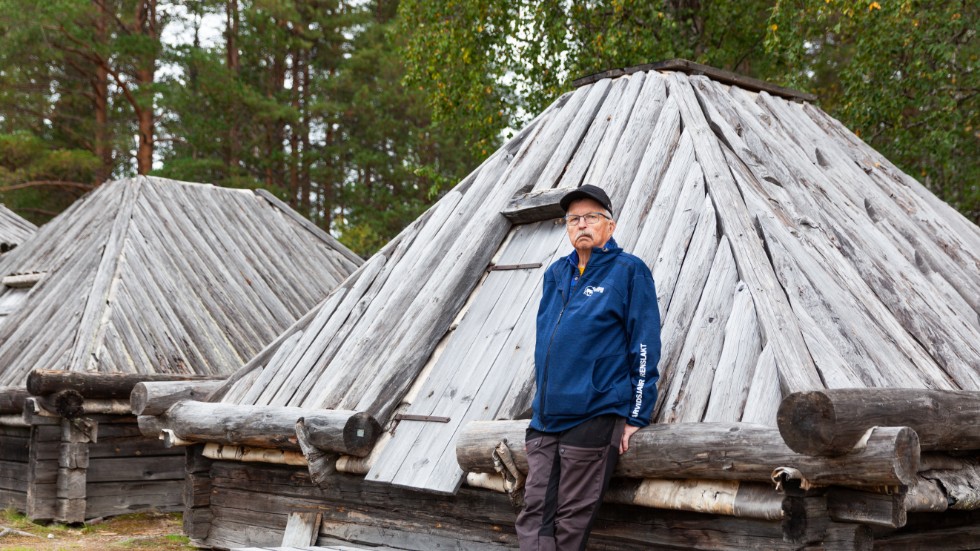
(15, 448)
(249, 504)
(129, 472)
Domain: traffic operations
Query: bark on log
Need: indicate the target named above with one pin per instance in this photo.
(267, 426)
(719, 451)
(95, 385)
(12, 399)
(719, 497)
(154, 398)
(831, 422)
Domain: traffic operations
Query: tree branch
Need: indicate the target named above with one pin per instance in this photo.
(54, 183)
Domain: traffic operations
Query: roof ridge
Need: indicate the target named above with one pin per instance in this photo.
(96, 311)
(692, 68)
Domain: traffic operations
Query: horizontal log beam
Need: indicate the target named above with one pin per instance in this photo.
(155, 397)
(719, 451)
(41, 382)
(268, 426)
(525, 208)
(12, 399)
(831, 422)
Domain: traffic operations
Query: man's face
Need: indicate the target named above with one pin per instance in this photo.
(584, 236)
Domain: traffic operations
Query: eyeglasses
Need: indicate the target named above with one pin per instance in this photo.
(591, 218)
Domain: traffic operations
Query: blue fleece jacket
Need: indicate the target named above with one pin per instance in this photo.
(598, 341)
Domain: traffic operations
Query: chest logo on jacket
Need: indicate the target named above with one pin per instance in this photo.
(590, 290)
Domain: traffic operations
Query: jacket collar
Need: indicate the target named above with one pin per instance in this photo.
(600, 255)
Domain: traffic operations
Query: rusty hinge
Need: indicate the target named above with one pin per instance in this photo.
(430, 418)
(499, 267)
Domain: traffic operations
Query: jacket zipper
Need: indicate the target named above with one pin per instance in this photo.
(547, 357)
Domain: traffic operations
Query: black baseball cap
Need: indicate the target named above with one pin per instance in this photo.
(588, 191)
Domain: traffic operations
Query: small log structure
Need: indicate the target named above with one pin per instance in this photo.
(143, 281)
(792, 262)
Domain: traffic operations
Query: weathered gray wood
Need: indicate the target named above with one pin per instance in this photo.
(12, 399)
(95, 385)
(737, 363)
(667, 234)
(153, 398)
(698, 359)
(936, 246)
(475, 393)
(93, 320)
(959, 484)
(880, 264)
(535, 206)
(631, 150)
(832, 421)
(877, 509)
(695, 272)
(794, 365)
(565, 149)
(719, 451)
(301, 528)
(592, 156)
(844, 537)
(268, 426)
(341, 432)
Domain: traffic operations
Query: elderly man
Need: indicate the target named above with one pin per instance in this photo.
(596, 354)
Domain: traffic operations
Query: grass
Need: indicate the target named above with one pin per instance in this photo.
(133, 531)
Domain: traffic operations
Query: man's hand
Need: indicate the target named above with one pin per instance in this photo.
(624, 444)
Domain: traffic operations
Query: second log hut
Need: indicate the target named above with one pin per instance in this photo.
(13, 229)
(805, 283)
(142, 279)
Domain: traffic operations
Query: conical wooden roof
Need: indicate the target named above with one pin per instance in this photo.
(788, 255)
(148, 275)
(13, 229)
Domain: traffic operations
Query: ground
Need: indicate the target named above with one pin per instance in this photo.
(139, 531)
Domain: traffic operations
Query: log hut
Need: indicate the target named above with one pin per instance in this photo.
(13, 229)
(820, 376)
(144, 279)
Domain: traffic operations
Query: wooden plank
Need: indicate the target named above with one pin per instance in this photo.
(690, 208)
(535, 206)
(737, 363)
(118, 498)
(124, 469)
(567, 147)
(301, 528)
(876, 509)
(501, 318)
(592, 156)
(481, 324)
(94, 317)
(309, 226)
(685, 398)
(694, 273)
(880, 264)
(429, 317)
(858, 316)
(796, 369)
(764, 394)
(631, 149)
(943, 250)
(657, 164)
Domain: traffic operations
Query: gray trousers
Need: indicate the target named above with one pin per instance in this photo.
(568, 473)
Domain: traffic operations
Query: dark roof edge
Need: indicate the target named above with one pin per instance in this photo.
(692, 68)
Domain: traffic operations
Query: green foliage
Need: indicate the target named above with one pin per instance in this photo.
(902, 75)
